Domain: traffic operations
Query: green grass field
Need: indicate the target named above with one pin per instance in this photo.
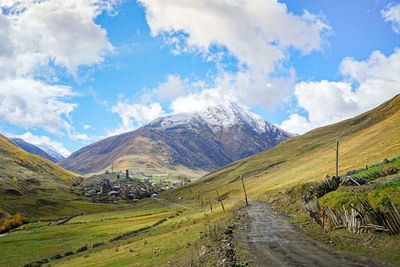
(39, 240)
(175, 240)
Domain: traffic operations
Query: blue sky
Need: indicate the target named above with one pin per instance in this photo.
(74, 72)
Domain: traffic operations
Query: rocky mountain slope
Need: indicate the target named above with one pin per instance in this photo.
(30, 148)
(189, 144)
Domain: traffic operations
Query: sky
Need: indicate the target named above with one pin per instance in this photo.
(73, 72)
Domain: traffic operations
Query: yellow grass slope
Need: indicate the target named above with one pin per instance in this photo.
(365, 139)
(35, 162)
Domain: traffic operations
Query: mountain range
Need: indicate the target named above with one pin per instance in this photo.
(42, 150)
(191, 144)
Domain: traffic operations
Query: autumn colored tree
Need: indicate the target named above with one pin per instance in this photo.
(14, 222)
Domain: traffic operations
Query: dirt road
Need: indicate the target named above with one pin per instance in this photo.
(272, 241)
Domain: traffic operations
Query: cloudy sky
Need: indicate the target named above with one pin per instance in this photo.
(75, 71)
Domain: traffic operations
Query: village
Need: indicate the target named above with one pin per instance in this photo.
(115, 186)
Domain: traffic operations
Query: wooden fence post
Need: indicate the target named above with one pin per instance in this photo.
(244, 189)
(220, 200)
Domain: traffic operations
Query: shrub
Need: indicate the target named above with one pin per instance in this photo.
(389, 170)
(16, 221)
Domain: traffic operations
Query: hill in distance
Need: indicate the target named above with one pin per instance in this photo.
(190, 144)
(28, 147)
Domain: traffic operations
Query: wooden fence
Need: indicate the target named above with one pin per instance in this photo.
(358, 221)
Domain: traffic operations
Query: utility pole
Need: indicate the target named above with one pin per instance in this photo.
(112, 167)
(244, 189)
(337, 158)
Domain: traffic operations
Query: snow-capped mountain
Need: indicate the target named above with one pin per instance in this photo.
(30, 148)
(218, 118)
(240, 132)
(188, 143)
(51, 151)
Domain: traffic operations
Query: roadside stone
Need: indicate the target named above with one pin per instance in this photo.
(84, 248)
(98, 244)
(56, 257)
(203, 251)
(69, 253)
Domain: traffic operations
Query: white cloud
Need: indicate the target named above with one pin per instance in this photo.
(41, 140)
(38, 40)
(251, 88)
(233, 24)
(240, 87)
(32, 103)
(392, 14)
(256, 32)
(326, 102)
(87, 127)
(79, 136)
(296, 124)
(199, 101)
(172, 88)
(62, 31)
(135, 115)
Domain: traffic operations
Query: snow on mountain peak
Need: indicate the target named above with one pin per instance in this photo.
(217, 117)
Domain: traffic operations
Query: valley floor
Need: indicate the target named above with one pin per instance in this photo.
(152, 232)
(174, 232)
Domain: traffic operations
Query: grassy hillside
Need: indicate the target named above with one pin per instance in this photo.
(35, 162)
(36, 187)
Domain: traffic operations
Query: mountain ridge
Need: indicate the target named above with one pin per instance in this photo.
(30, 148)
(190, 144)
